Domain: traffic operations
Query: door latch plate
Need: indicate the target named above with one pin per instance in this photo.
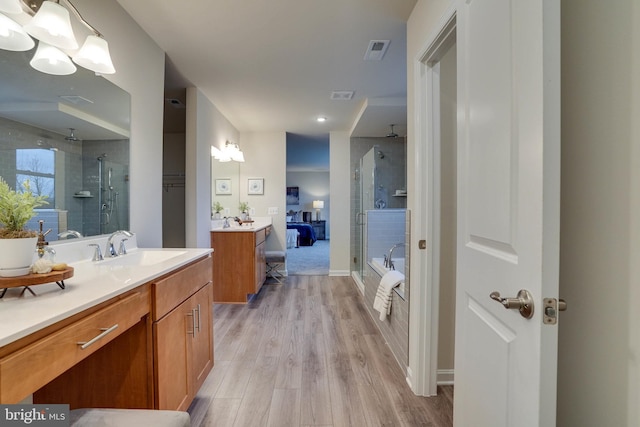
(550, 308)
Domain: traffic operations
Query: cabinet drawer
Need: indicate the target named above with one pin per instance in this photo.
(33, 366)
(174, 289)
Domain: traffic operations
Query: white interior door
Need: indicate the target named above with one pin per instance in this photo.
(508, 210)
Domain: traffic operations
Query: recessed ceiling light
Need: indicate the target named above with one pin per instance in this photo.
(321, 119)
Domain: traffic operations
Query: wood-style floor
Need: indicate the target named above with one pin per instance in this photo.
(307, 353)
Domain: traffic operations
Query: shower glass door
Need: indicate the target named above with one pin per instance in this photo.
(367, 200)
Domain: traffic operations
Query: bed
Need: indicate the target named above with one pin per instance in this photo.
(307, 235)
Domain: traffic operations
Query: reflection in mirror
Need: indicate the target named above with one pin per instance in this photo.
(69, 136)
(228, 198)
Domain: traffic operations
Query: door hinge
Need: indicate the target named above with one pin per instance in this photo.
(550, 310)
(422, 244)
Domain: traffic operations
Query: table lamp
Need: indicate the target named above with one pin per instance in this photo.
(317, 205)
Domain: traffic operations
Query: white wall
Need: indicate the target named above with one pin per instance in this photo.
(265, 155)
(139, 66)
(206, 126)
(598, 372)
(340, 175)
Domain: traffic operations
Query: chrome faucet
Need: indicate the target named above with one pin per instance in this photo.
(111, 250)
(69, 234)
(226, 222)
(388, 260)
(97, 253)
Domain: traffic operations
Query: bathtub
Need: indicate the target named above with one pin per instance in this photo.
(378, 266)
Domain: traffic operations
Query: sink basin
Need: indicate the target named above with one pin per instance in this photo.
(143, 257)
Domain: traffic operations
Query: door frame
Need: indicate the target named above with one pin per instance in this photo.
(424, 302)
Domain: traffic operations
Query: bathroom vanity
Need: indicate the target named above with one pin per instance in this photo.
(129, 332)
(239, 267)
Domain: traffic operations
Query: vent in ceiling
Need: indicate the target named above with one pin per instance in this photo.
(341, 95)
(176, 103)
(76, 99)
(376, 50)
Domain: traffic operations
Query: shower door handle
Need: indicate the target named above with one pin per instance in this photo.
(360, 218)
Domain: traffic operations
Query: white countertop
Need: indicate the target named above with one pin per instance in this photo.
(91, 284)
(258, 224)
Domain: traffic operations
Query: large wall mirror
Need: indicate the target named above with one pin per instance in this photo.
(69, 136)
(225, 186)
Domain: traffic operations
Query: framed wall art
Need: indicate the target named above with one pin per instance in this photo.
(293, 196)
(223, 186)
(256, 186)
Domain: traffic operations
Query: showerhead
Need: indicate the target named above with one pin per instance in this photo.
(392, 134)
(71, 136)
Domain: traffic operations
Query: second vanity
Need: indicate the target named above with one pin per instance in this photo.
(239, 267)
(134, 331)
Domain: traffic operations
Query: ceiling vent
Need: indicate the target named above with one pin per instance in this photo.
(176, 103)
(342, 95)
(376, 50)
(76, 99)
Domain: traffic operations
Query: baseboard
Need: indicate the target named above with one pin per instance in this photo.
(445, 377)
(359, 282)
(408, 379)
(341, 273)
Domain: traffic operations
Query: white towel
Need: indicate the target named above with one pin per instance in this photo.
(382, 303)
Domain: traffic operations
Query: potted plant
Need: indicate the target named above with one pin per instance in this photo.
(217, 208)
(17, 245)
(244, 209)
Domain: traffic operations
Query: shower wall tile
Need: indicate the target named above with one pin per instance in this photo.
(395, 329)
(385, 228)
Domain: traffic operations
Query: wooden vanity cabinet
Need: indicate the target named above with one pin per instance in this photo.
(150, 347)
(183, 334)
(56, 369)
(239, 266)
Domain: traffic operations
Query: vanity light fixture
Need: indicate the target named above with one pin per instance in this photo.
(51, 26)
(230, 151)
(10, 6)
(51, 60)
(13, 36)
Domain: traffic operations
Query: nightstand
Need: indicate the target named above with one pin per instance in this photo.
(319, 228)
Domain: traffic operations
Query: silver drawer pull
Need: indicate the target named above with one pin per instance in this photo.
(104, 332)
(198, 325)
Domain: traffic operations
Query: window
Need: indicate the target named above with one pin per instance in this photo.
(37, 166)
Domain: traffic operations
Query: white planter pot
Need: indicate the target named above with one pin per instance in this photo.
(17, 253)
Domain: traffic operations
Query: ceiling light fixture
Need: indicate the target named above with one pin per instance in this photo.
(51, 26)
(230, 151)
(321, 119)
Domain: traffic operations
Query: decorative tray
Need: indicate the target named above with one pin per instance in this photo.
(31, 279)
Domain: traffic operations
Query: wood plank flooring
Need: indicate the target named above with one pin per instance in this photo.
(307, 353)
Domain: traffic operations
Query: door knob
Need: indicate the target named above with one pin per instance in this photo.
(523, 302)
